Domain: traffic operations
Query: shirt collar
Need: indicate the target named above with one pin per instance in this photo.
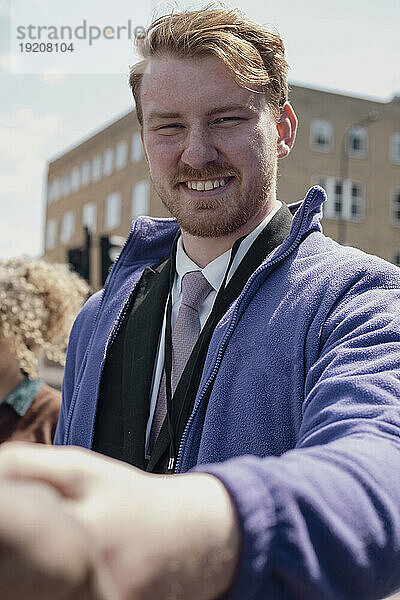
(214, 272)
(21, 397)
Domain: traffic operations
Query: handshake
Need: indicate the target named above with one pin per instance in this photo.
(75, 525)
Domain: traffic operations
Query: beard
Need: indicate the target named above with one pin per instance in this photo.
(217, 217)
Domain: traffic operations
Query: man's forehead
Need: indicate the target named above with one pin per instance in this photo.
(169, 62)
(170, 84)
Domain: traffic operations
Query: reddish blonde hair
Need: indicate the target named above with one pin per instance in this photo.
(254, 54)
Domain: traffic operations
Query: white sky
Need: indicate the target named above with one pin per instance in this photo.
(347, 46)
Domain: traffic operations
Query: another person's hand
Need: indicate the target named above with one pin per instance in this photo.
(162, 538)
(45, 553)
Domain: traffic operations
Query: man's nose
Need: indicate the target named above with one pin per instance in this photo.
(199, 148)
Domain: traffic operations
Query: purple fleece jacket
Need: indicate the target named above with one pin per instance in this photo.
(303, 420)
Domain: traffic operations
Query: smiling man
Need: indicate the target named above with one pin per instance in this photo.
(213, 157)
(237, 342)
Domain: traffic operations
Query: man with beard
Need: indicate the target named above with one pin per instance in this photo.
(212, 141)
(235, 341)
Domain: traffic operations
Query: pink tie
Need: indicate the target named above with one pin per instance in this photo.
(195, 289)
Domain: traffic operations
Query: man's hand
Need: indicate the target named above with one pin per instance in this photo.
(45, 553)
(171, 537)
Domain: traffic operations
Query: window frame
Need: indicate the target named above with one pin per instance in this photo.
(86, 173)
(85, 222)
(65, 185)
(395, 148)
(110, 224)
(363, 152)
(395, 198)
(108, 162)
(65, 239)
(75, 179)
(145, 185)
(314, 145)
(49, 224)
(97, 168)
(329, 183)
(121, 156)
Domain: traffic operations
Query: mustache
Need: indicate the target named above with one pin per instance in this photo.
(209, 172)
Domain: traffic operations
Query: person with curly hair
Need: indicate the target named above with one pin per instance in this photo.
(38, 302)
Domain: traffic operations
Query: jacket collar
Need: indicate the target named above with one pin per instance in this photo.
(150, 238)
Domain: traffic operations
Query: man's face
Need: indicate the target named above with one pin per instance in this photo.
(211, 145)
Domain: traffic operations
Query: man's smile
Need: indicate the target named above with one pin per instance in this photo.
(206, 185)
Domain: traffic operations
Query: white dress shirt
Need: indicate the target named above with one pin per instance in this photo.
(214, 272)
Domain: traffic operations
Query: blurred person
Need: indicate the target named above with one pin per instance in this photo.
(38, 302)
(237, 342)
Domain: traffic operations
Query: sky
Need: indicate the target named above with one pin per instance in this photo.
(50, 103)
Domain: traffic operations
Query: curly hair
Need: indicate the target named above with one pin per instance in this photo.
(253, 53)
(38, 303)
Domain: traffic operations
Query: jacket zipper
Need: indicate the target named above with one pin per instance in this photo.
(232, 326)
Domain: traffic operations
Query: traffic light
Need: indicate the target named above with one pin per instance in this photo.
(79, 258)
(110, 247)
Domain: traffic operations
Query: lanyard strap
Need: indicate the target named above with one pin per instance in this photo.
(172, 422)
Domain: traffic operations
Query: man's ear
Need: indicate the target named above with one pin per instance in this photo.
(287, 127)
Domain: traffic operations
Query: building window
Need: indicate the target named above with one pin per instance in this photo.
(89, 216)
(56, 189)
(53, 191)
(323, 182)
(338, 199)
(75, 179)
(67, 227)
(85, 173)
(108, 162)
(121, 155)
(65, 185)
(136, 150)
(395, 148)
(345, 198)
(112, 216)
(96, 168)
(357, 142)
(51, 234)
(396, 258)
(140, 199)
(356, 202)
(321, 135)
(396, 207)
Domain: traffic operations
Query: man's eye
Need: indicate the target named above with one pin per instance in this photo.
(229, 120)
(169, 129)
(170, 126)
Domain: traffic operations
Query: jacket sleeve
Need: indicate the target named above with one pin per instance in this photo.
(76, 351)
(322, 521)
